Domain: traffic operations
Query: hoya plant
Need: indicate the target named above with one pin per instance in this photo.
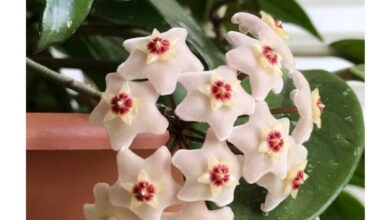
(252, 136)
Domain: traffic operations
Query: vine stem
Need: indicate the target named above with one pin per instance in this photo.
(287, 110)
(63, 80)
(84, 64)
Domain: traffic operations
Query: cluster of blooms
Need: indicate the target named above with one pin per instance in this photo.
(272, 158)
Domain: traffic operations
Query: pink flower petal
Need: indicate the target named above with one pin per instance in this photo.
(158, 169)
(194, 163)
(199, 211)
(256, 167)
(237, 39)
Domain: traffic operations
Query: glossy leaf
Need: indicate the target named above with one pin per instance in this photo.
(135, 13)
(334, 152)
(60, 20)
(351, 49)
(291, 12)
(175, 15)
(345, 207)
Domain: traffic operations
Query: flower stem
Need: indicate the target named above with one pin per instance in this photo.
(172, 101)
(287, 110)
(63, 80)
(172, 142)
(196, 131)
(196, 139)
(242, 76)
(233, 148)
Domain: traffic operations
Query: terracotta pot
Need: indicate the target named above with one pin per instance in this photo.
(65, 158)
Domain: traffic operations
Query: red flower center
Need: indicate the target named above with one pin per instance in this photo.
(144, 191)
(220, 175)
(275, 141)
(278, 23)
(298, 180)
(158, 45)
(121, 103)
(221, 90)
(320, 105)
(270, 55)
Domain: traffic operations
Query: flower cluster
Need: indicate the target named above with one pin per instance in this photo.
(270, 155)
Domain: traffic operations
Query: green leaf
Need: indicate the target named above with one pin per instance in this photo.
(345, 207)
(359, 175)
(98, 48)
(350, 49)
(352, 73)
(136, 13)
(198, 8)
(60, 20)
(176, 16)
(334, 152)
(291, 12)
(237, 6)
(358, 71)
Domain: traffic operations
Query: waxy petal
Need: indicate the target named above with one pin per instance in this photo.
(276, 186)
(247, 138)
(262, 82)
(194, 163)
(199, 211)
(250, 23)
(196, 105)
(103, 209)
(163, 74)
(157, 168)
(301, 98)
(147, 120)
(276, 25)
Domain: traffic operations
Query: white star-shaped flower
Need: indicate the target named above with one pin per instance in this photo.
(160, 58)
(301, 98)
(265, 143)
(127, 109)
(280, 188)
(145, 186)
(259, 60)
(211, 173)
(263, 31)
(102, 209)
(215, 97)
